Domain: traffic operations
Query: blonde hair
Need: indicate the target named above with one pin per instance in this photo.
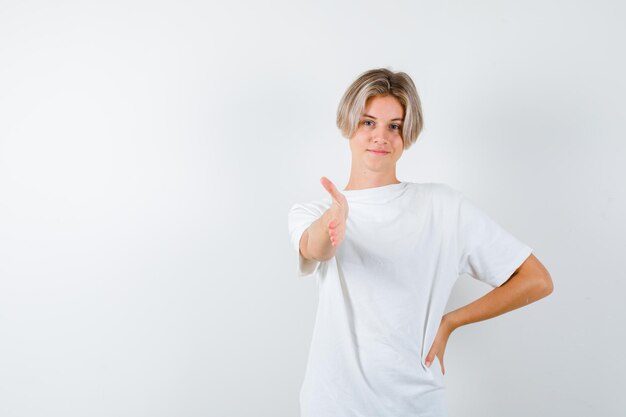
(381, 82)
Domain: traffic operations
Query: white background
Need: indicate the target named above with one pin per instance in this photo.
(149, 152)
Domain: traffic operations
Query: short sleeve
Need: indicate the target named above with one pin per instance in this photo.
(487, 251)
(299, 219)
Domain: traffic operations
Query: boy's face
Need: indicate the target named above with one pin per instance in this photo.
(379, 129)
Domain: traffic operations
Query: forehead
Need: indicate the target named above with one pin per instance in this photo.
(383, 107)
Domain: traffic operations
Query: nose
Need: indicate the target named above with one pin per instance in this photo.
(381, 135)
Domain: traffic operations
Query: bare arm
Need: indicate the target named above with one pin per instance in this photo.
(315, 242)
(529, 283)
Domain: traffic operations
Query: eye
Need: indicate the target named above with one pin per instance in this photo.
(367, 121)
(398, 127)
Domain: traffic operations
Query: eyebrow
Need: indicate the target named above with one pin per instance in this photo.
(397, 118)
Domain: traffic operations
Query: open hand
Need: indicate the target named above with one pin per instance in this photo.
(335, 217)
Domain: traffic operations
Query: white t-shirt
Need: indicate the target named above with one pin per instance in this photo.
(382, 296)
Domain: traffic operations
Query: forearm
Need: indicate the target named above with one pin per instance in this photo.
(518, 291)
(317, 242)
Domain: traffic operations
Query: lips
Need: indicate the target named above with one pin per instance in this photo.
(378, 151)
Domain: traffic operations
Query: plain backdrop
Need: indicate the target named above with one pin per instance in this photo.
(150, 151)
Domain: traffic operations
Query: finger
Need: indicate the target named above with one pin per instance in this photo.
(429, 359)
(440, 359)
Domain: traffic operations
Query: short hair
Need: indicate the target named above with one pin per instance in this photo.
(381, 82)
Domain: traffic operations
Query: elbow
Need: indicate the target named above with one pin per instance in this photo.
(538, 287)
(546, 285)
(542, 279)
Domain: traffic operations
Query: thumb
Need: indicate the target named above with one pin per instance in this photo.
(429, 358)
(330, 187)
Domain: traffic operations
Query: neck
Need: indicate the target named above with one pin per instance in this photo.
(370, 181)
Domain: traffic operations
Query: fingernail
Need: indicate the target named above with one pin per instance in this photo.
(428, 364)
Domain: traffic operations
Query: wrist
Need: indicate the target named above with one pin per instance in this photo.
(449, 321)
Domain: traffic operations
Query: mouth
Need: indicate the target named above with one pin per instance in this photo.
(378, 152)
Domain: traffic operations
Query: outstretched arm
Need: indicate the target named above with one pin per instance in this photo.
(321, 239)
